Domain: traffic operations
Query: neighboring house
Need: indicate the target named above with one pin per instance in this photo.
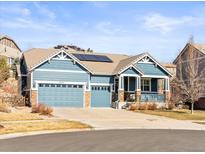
(171, 68)
(191, 56)
(59, 77)
(9, 49)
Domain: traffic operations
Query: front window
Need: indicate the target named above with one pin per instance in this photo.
(145, 85)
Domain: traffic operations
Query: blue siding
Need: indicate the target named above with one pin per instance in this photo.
(61, 65)
(151, 69)
(102, 79)
(60, 76)
(151, 97)
(130, 71)
(100, 96)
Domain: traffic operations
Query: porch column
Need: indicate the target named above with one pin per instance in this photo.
(121, 92)
(160, 88)
(137, 90)
(167, 90)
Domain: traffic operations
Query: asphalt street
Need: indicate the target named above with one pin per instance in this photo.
(110, 140)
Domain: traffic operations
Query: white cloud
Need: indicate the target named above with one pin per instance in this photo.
(13, 9)
(44, 11)
(109, 28)
(163, 24)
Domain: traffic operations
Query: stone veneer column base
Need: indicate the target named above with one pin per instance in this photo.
(121, 95)
(87, 99)
(167, 97)
(33, 98)
(137, 96)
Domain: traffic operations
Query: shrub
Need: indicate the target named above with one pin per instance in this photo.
(4, 107)
(42, 109)
(152, 106)
(143, 106)
(133, 106)
(170, 106)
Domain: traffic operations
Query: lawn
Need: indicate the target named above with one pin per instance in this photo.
(17, 116)
(41, 125)
(179, 114)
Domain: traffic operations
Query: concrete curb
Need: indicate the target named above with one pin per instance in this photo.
(22, 134)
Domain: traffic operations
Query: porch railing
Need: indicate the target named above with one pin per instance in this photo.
(152, 97)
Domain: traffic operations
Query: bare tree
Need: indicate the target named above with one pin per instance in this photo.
(4, 70)
(189, 83)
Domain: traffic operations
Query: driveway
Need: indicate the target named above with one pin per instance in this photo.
(110, 140)
(122, 119)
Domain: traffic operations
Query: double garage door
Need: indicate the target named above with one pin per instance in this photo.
(71, 95)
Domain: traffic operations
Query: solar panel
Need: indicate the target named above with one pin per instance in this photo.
(96, 58)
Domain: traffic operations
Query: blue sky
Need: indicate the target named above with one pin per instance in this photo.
(161, 28)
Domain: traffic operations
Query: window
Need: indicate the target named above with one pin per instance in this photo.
(58, 85)
(145, 85)
(80, 86)
(64, 86)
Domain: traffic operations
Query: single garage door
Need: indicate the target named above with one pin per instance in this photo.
(100, 96)
(69, 95)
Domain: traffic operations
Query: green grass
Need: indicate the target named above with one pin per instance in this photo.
(180, 114)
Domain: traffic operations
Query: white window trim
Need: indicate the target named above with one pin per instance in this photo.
(150, 85)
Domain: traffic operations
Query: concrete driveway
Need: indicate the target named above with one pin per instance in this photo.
(122, 119)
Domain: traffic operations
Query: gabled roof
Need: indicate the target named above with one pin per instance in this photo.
(9, 52)
(35, 56)
(120, 62)
(9, 38)
(126, 63)
(198, 46)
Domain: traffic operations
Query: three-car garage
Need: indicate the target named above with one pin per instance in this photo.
(72, 95)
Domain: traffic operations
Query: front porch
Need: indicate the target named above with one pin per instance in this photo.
(134, 88)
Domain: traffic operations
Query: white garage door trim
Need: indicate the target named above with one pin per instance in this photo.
(62, 82)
